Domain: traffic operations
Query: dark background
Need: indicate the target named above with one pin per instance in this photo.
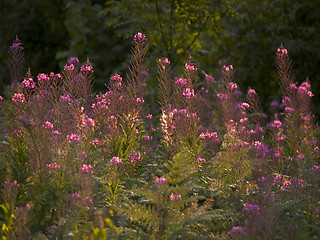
(245, 34)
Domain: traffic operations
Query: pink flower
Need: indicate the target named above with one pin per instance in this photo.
(190, 67)
(55, 133)
(18, 98)
(232, 85)
(1, 98)
(69, 67)
(222, 96)
(209, 79)
(95, 142)
(116, 80)
(86, 169)
(43, 77)
(276, 124)
(84, 155)
(164, 60)
(140, 37)
(47, 125)
(244, 105)
(281, 52)
(116, 160)
(147, 138)
(161, 180)
(53, 165)
(289, 110)
(134, 156)
(86, 68)
(293, 86)
(73, 138)
(89, 122)
(180, 81)
(188, 93)
(28, 83)
(139, 100)
(75, 195)
(302, 89)
(172, 197)
(52, 75)
(251, 92)
(300, 157)
(16, 46)
(149, 116)
(227, 68)
(201, 160)
(243, 120)
(65, 98)
(315, 168)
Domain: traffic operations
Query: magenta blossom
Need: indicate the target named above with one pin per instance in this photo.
(140, 37)
(18, 98)
(73, 138)
(116, 160)
(164, 60)
(86, 169)
(161, 180)
(191, 67)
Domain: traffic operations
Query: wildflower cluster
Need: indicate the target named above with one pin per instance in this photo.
(211, 164)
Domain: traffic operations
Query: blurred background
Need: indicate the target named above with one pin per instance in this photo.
(245, 34)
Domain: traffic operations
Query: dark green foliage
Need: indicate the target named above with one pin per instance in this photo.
(258, 30)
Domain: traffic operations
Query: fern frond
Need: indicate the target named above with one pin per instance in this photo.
(144, 215)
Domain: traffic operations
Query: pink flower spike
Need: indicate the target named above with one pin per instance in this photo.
(252, 92)
(201, 160)
(232, 85)
(116, 80)
(28, 83)
(180, 81)
(86, 68)
(289, 110)
(276, 124)
(116, 160)
(227, 68)
(164, 60)
(69, 68)
(172, 197)
(245, 105)
(86, 169)
(281, 52)
(222, 96)
(190, 67)
(47, 125)
(140, 37)
(18, 98)
(161, 180)
(188, 93)
(209, 79)
(73, 138)
(43, 77)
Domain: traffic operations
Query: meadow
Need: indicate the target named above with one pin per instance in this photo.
(207, 164)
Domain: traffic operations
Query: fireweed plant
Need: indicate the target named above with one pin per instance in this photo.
(84, 166)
